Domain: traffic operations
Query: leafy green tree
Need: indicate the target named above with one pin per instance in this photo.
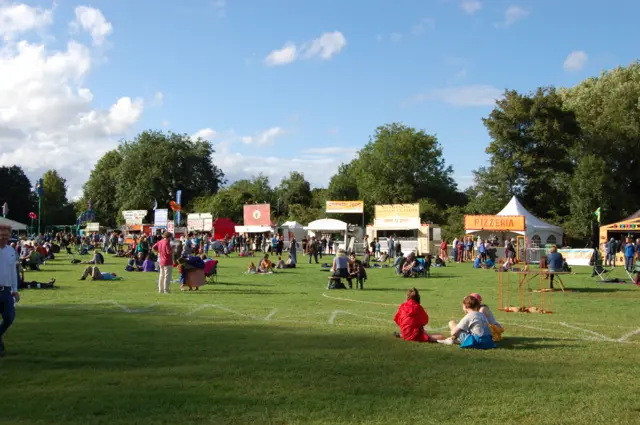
(55, 208)
(588, 187)
(304, 214)
(293, 190)
(16, 190)
(155, 165)
(531, 151)
(608, 110)
(101, 189)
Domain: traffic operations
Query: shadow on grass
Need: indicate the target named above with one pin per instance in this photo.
(618, 287)
(88, 367)
(529, 343)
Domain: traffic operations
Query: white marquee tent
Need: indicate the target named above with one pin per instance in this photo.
(327, 225)
(537, 231)
(14, 224)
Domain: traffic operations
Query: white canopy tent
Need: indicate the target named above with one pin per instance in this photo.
(327, 225)
(292, 225)
(14, 224)
(253, 229)
(537, 231)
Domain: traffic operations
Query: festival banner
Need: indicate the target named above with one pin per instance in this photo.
(577, 257)
(134, 216)
(504, 223)
(160, 217)
(92, 227)
(345, 207)
(257, 215)
(397, 211)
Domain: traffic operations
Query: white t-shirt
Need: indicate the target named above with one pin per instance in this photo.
(8, 271)
(475, 323)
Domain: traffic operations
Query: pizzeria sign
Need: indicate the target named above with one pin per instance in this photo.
(508, 223)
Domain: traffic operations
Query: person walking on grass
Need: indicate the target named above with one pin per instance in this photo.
(8, 283)
(165, 255)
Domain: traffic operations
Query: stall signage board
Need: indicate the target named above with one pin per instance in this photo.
(397, 211)
(506, 223)
(345, 207)
(134, 216)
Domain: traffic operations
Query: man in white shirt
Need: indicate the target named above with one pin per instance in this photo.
(8, 283)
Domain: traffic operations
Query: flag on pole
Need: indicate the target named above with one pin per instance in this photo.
(597, 214)
(155, 204)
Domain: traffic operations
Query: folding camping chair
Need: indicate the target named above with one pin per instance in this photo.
(599, 271)
(211, 271)
(632, 274)
(425, 267)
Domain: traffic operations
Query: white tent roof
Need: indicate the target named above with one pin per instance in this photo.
(292, 225)
(327, 224)
(514, 207)
(14, 224)
(253, 229)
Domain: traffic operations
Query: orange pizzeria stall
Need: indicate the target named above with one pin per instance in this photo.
(498, 229)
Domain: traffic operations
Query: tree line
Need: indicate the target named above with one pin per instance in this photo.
(563, 152)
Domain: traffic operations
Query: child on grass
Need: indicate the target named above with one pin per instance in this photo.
(251, 268)
(412, 318)
(473, 330)
(496, 328)
(280, 264)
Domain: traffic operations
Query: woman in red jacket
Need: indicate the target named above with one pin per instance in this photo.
(412, 318)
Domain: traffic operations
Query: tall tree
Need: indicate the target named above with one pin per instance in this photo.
(155, 165)
(55, 208)
(533, 139)
(293, 190)
(101, 189)
(401, 165)
(16, 190)
(608, 110)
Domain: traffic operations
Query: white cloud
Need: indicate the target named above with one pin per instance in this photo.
(332, 150)
(324, 47)
(473, 95)
(317, 169)
(470, 6)
(513, 14)
(47, 119)
(16, 19)
(284, 56)
(575, 61)
(264, 137)
(204, 134)
(93, 21)
(423, 25)
(158, 98)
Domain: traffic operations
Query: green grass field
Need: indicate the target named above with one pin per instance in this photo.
(281, 349)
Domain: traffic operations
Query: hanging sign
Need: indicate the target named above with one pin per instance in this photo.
(134, 216)
(505, 223)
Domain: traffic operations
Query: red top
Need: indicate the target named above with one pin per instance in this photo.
(164, 252)
(412, 319)
(443, 245)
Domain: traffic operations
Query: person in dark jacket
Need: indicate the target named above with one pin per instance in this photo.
(556, 262)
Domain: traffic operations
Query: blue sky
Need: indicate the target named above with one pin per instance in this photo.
(201, 67)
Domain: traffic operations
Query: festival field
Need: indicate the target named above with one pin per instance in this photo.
(281, 349)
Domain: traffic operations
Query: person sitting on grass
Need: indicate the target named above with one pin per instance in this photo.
(399, 262)
(280, 264)
(266, 266)
(95, 274)
(97, 259)
(496, 328)
(439, 262)
(251, 268)
(410, 266)
(473, 331)
(135, 263)
(477, 264)
(291, 262)
(412, 318)
(489, 264)
(148, 265)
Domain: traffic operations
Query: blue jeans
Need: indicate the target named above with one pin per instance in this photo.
(7, 310)
(315, 256)
(628, 263)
